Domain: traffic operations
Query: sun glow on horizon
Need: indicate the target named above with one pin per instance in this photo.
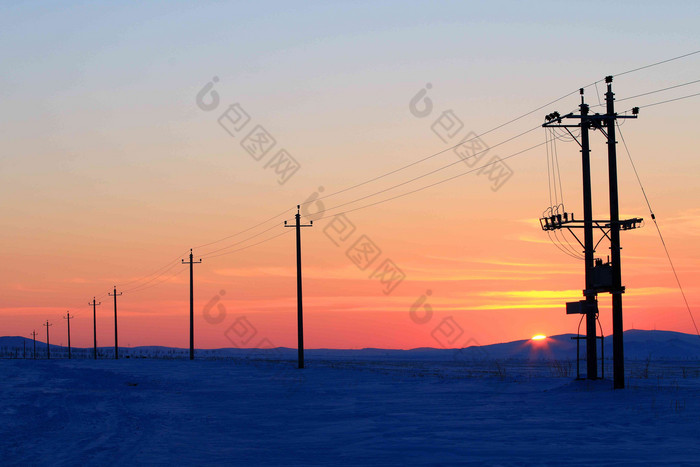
(539, 337)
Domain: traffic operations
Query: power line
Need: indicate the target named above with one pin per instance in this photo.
(442, 151)
(140, 286)
(660, 90)
(243, 231)
(669, 100)
(177, 258)
(438, 170)
(162, 281)
(661, 237)
(430, 185)
(550, 137)
(209, 253)
(246, 247)
(159, 272)
(497, 127)
(657, 63)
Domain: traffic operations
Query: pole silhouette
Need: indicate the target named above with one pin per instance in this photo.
(116, 339)
(600, 277)
(191, 262)
(48, 347)
(300, 315)
(617, 288)
(68, 317)
(591, 305)
(94, 325)
(34, 337)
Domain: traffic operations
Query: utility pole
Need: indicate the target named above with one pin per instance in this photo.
(191, 262)
(300, 315)
(617, 288)
(34, 337)
(591, 304)
(68, 317)
(48, 347)
(116, 340)
(94, 324)
(600, 277)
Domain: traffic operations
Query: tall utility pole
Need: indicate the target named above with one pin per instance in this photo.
(68, 317)
(116, 339)
(300, 315)
(48, 347)
(600, 277)
(617, 289)
(94, 325)
(191, 262)
(34, 337)
(591, 305)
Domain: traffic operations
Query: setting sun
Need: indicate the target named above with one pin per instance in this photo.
(539, 337)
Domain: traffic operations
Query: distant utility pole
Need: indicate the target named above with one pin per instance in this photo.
(191, 262)
(48, 348)
(68, 317)
(600, 277)
(94, 324)
(300, 315)
(116, 340)
(34, 337)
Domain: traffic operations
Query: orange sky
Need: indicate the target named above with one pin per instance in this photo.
(110, 170)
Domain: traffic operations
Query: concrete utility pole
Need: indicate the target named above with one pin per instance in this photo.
(116, 339)
(94, 325)
(615, 257)
(191, 262)
(591, 304)
(300, 314)
(34, 337)
(68, 317)
(48, 346)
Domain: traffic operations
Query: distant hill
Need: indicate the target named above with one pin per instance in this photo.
(639, 345)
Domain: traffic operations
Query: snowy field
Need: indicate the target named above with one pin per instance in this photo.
(341, 412)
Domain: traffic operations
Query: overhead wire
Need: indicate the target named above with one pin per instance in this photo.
(442, 151)
(210, 253)
(176, 260)
(404, 167)
(562, 243)
(657, 63)
(659, 90)
(432, 172)
(549, 136)
(248, 246)
(162, 281)
(658, 230)
(669, 100)
(172, 266)
(430, 185)
(243, 231)
(411, 165)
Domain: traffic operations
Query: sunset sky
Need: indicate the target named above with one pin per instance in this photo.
(112, 168)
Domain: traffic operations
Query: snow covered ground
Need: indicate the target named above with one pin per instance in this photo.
(341, 411)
